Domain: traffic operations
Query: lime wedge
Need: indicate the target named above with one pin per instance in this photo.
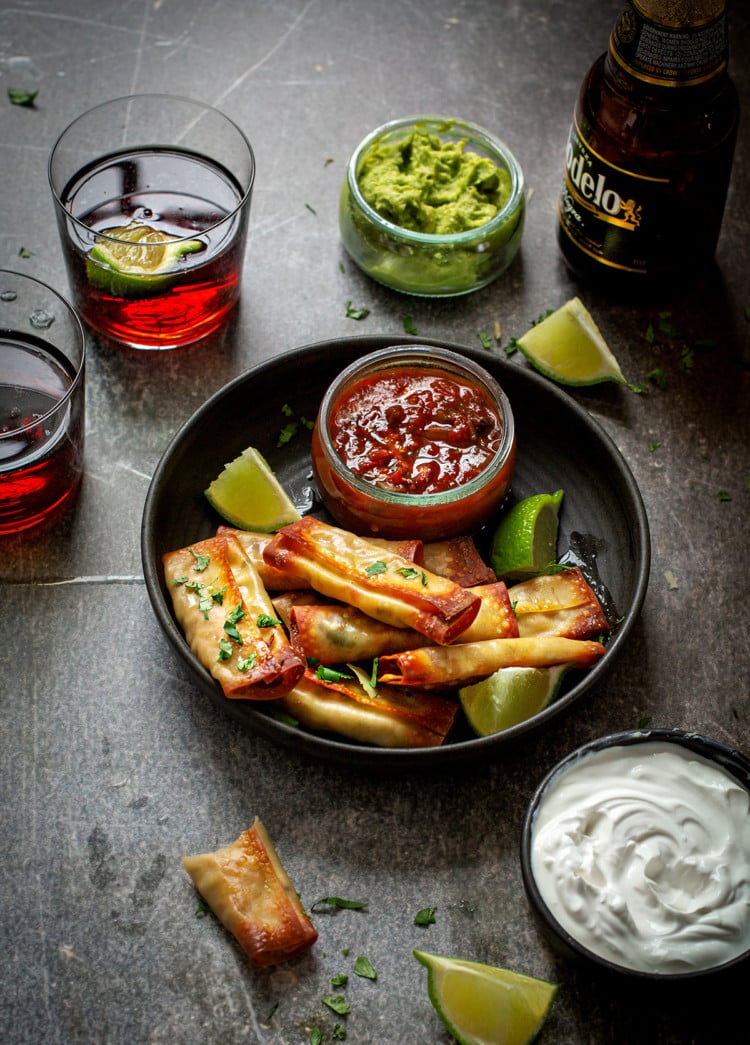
(136, 260)
(525, 541)
(248, 495)
(510, 696)
(568, 347)
(486, 1005)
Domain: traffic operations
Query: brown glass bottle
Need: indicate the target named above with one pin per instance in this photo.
(650, 151)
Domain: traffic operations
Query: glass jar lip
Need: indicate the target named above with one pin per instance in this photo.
(153, 98)
(428, 357)
(473, 131)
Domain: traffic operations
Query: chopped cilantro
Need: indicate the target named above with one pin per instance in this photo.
(180, 580)
(724, 495)
(231, 630)
(374, 672)
(337, 901)
(408, 323)
(425, 917)
(246, 663)
(339, 980)
(237, 614)
(338, 1033)
(356, 313)
(202, 908)
(644, 722)
(652, 447)
(657, 377)
(24, 252)
(225, 650)
(485, 340)
(20, 97)
(337, 1003)
(218, 595)
(375, 568)
(264, 621)
(408, 572)
(330, 674)
(511, 347)
(201, 561)
(316, 1036)
(204, 605)
(363, 968)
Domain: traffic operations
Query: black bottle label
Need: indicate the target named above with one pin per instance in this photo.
(607, 211)
(666, 54)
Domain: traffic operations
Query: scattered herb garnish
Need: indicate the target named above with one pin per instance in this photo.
(408, 572)
(202, 908)
(271, 1013)
(289, 431)
(363, 968)
(644, 721)
(408, 323)
(337, 901)
(374, 672)
(338, 1003)
(330, 674)
(230, 629)
(201, 561)
(338, 1033)
(339, 980)
(375, 568)
(264, 621)
(18, 96)
(485, 339)
(283, 716)
(425, 917)
(724, 495)
(657, 377)
(204, 605)
(246, 663)
(180, 580)
(316, 1036)
(652, 447)
(225, 649)
(356, 313)
(24, 252)
(511, 347)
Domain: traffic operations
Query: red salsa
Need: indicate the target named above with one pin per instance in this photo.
(415, 432)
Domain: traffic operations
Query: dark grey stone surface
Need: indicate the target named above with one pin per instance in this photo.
(113, 763)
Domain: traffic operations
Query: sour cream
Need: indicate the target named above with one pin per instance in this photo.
(642, 853)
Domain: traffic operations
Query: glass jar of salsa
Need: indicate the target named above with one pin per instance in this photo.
(414, 441)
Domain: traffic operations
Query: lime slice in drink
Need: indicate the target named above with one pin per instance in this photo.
(510, 696)
(486, 1005)
(136, 260)
(525, 541)
(568, 347)
(248, 495)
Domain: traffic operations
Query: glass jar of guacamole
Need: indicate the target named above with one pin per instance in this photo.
(432, 206)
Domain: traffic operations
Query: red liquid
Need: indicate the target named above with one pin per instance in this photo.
(183, 195)
(41, 458)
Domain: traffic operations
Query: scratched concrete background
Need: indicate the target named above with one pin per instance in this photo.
(113, 762)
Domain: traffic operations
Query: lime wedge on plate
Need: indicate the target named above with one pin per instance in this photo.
(248, 495)
(486, 1005)
(510, 696)
(136, 260)
(569, 348)
(524, 543)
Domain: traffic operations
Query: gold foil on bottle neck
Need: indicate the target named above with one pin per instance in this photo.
(679, 13)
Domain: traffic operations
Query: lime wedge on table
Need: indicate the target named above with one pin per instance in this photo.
(486, 1005)
(510, 696)
(248, 495)
(136, 260)
(525, 540)
(568, 347)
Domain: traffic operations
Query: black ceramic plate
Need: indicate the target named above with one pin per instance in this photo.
(603, 522)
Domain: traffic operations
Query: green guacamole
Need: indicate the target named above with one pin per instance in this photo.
(424, 184)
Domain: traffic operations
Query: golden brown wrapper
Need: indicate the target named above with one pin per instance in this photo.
(375, 580)
(249, 891)
(261, 664)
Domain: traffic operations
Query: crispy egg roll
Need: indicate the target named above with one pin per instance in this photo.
(442, 667)
(281, 580)
(249, 891)
(392, 718)
(227, 621)
(333, 634)
(459, 559)
(377, 581)
(558, 604)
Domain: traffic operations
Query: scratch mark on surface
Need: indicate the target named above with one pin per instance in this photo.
(267, 56)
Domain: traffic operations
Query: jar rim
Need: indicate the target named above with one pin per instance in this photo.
(491, 144)
(428, 357)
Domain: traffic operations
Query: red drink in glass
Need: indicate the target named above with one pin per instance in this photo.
(153, 224)
(41, 403)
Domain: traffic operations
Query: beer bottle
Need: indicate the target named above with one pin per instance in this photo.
(650, 150)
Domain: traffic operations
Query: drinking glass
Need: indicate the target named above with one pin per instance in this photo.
(152, 195)
(42, 399)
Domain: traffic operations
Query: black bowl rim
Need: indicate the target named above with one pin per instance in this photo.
(731, 759)
(345, 753)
